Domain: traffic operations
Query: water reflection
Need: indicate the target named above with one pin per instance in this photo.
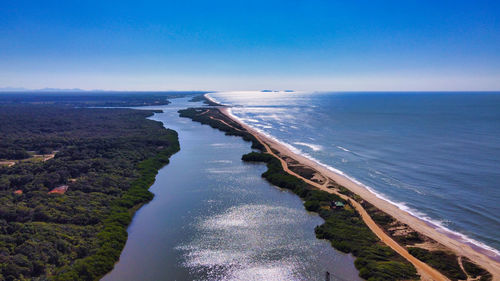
(214, 218)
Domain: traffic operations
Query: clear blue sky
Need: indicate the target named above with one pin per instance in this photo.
(245, 45)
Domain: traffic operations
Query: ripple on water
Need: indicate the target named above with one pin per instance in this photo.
(249, 242)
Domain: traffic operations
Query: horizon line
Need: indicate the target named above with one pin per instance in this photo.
(265, 90)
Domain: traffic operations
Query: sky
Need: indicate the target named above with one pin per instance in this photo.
(251, 45)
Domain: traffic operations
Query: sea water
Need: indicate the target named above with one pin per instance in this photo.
(435, 155)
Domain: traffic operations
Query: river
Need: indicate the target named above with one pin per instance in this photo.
(214, 218)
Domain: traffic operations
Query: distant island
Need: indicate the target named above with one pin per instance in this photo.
(276, 91)
(20, 89)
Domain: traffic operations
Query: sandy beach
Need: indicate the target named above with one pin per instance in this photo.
(486, 259)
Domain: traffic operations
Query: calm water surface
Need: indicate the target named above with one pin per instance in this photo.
(214, 218)
(436, 155)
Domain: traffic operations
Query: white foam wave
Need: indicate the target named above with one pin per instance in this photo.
(314, 147)
(343, 148)
(212, 99)
(490, 251)
(251, 120)
(265, 126)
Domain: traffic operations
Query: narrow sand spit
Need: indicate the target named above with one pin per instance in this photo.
(426, 272)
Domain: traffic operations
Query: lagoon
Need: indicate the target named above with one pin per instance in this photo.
(214, 218)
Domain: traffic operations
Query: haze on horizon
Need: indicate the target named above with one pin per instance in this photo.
(251, 45)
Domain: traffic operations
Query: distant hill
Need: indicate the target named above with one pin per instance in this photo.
(12, 89)
(16, 89)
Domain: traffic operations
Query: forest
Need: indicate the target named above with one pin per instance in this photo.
(95, 98)
(64, 217)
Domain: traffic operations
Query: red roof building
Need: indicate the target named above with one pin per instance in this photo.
(59, 190)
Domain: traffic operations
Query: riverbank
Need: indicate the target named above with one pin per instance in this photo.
(113, 236)
(410, 243)
(416, 224)
(100, 174)
(344, 227)
(265, 231)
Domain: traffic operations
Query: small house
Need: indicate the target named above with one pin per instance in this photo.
(59, 190)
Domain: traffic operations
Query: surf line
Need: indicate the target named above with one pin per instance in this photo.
(425, 271)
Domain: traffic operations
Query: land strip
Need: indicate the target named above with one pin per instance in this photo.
(426, 272)
(389, 233)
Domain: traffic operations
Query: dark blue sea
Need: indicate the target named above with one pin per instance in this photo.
(435, 155)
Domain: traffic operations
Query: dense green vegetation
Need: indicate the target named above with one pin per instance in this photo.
(474, 270)
(390, 226)
(108, 158)
(343, 227)
(446, 263)
(202, 98)
(234, 130)
(86, 99)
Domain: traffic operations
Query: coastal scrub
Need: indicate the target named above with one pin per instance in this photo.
(343, 227)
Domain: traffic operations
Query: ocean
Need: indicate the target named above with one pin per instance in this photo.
(434, 155)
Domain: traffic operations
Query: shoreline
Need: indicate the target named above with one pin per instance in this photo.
(459, 237)
(462, 248)
(478, 246)
(377, 255)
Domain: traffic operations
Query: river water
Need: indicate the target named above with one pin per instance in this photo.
(214, 218)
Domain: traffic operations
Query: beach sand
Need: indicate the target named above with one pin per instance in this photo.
(482, 258)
